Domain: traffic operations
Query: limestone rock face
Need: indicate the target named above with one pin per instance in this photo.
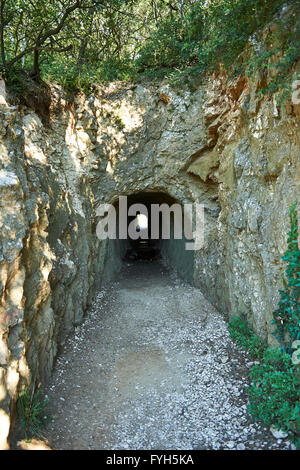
(219, 146)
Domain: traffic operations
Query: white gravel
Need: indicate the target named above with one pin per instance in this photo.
(153, 367)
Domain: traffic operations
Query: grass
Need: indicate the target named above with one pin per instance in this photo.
(31, 413)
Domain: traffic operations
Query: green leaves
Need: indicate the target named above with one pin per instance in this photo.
(241, 333)
(31, 413)
(97, 41)
(287, 315)
(274, 392)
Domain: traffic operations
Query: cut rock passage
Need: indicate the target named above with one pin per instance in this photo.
(152, 367)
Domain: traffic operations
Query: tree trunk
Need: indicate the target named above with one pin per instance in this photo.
(36, 65)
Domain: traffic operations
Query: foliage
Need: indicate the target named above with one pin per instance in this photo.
(277, 55)
(78, 43)
(31, 413)
(14, 77)
(164, 47)
(274, 393)
(217, 33)
(31, 29)
(241, 333)
(68, 76)
(287, 315)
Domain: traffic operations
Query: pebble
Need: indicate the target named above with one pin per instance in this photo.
(241, 446)
(277, 433)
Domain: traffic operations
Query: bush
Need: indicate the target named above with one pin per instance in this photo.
(241, 333)
(163, 48)
(274, 393)
(218, 33)
(287, 315)
(31, 413)
(135, 40)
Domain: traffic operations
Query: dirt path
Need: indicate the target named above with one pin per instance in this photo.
(152, 367)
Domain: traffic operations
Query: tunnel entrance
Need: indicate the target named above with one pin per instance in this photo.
(146, 247)
(155, 238)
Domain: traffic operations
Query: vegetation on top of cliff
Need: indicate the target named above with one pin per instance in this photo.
(79, 43)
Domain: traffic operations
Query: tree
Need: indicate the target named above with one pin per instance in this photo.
(76, 42)
(34, 27)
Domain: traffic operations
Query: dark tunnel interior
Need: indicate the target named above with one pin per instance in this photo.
(153, 239)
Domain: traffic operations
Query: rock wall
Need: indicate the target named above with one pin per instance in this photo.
(218, 145)
(255, 161)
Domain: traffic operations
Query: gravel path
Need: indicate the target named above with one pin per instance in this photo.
(152, 367)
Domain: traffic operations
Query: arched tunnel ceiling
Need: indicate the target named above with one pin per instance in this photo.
(148, 198)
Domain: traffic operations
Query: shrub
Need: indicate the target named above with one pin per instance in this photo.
(241, 333)
(287, 315)
(31, 413)
(274, 393)
(224, 32)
